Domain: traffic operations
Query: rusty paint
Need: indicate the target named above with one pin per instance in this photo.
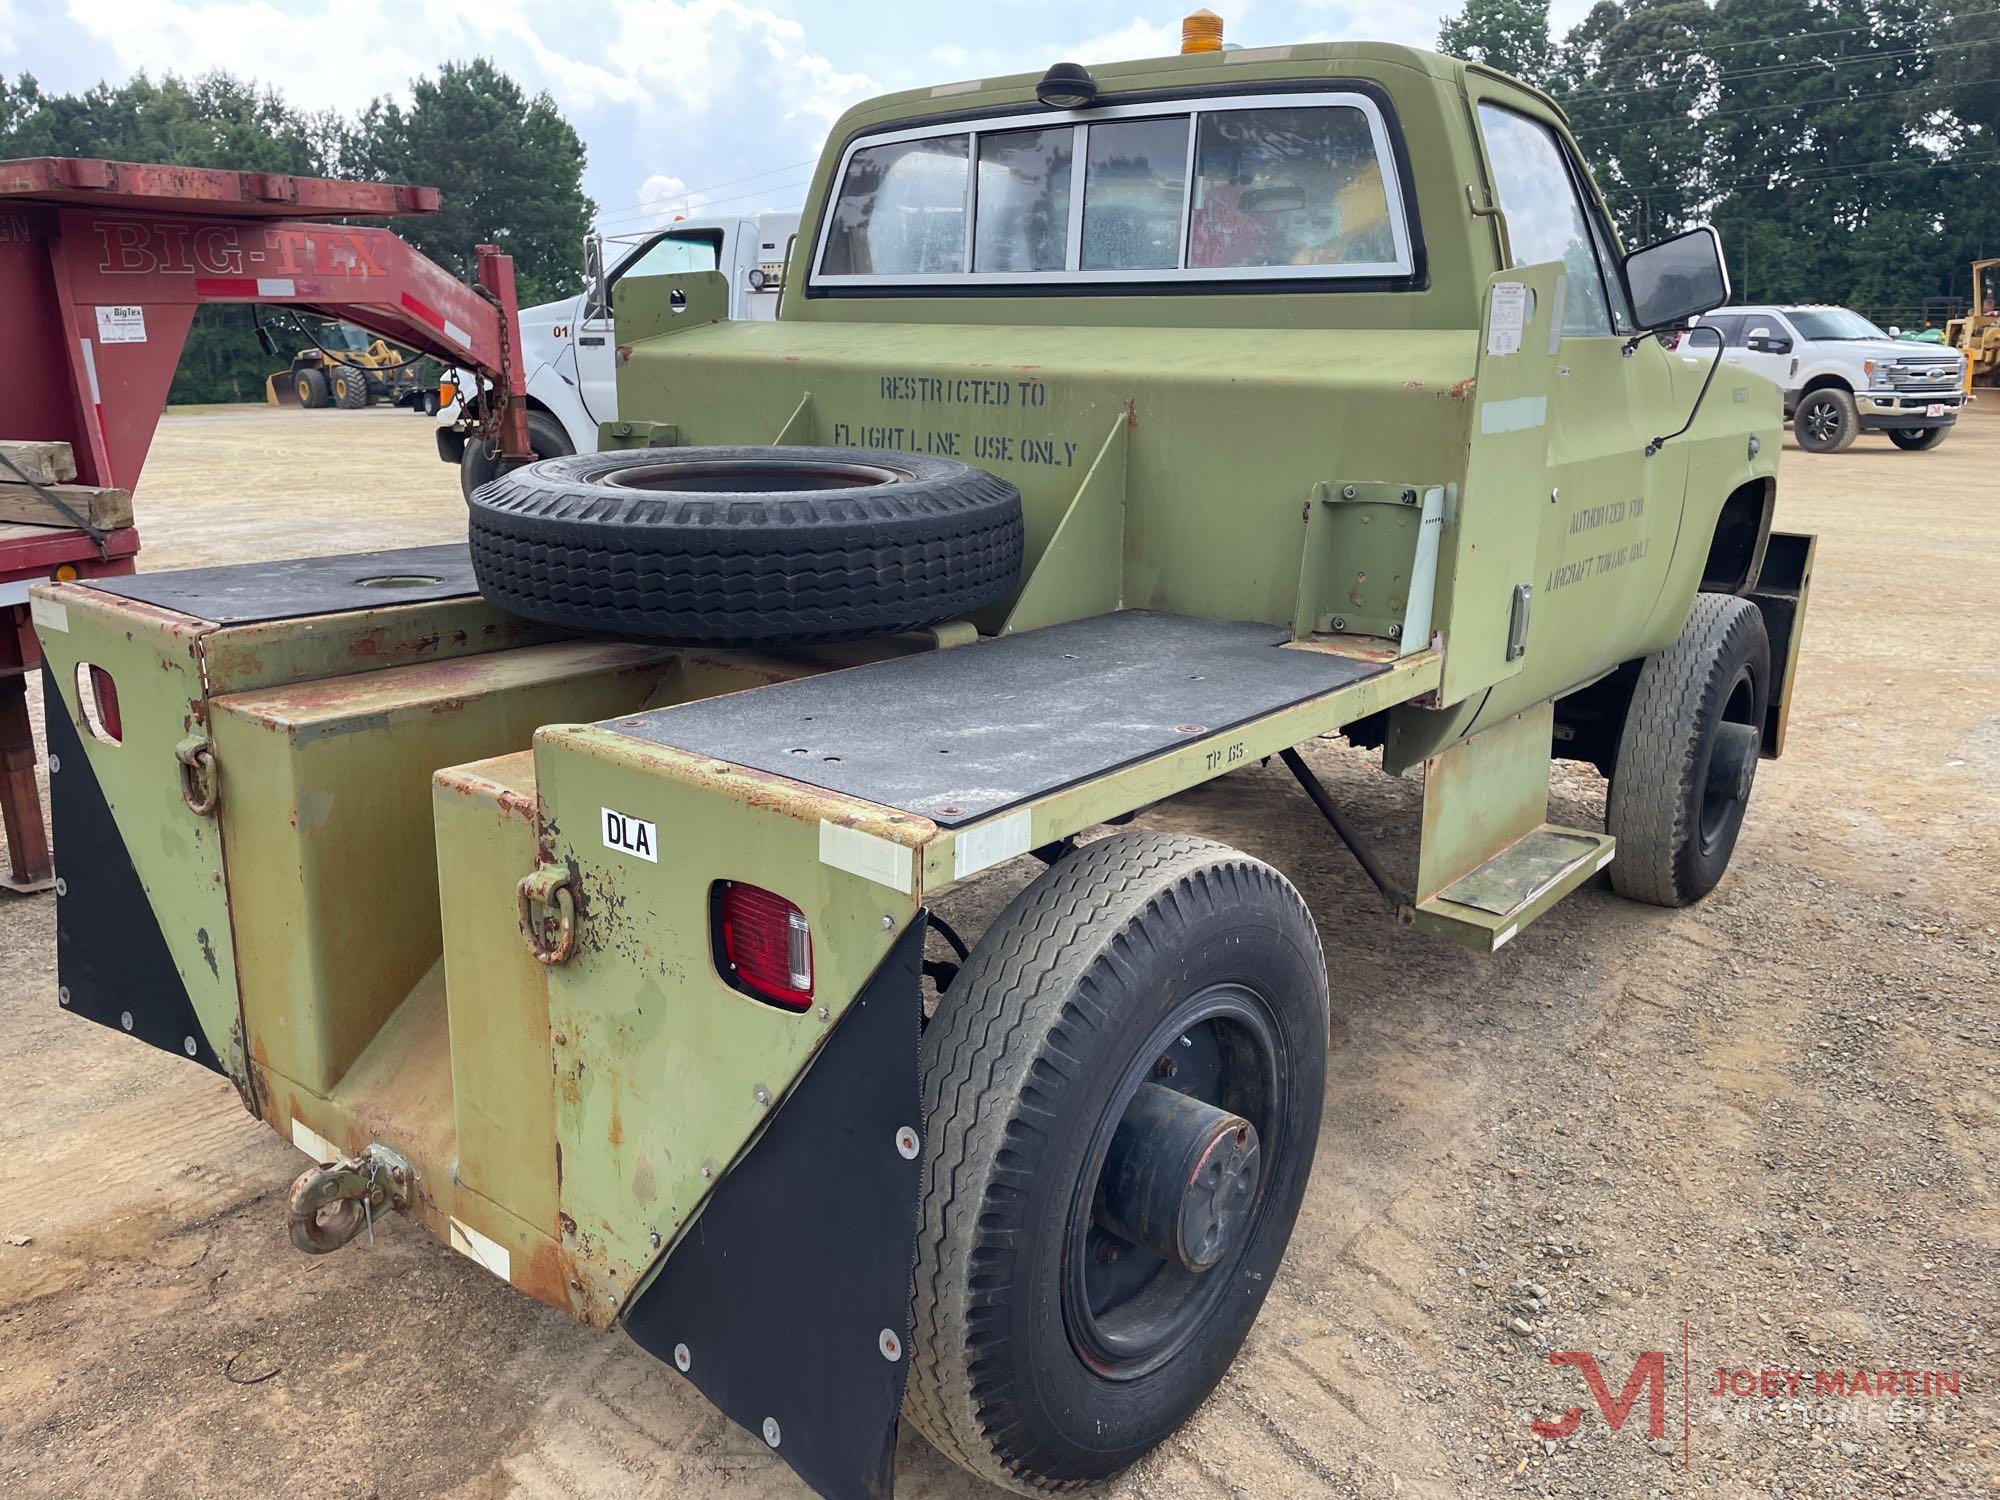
(1461, 390)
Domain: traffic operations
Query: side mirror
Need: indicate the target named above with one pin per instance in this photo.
(1673, 280)
(1895, 332)
(1763, 341)
(595, 297)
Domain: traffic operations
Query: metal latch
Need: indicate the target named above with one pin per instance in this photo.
(1517, 622)
(201, 778)
(333, 1202)
(547, 902)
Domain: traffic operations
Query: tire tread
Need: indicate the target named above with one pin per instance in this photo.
(1648, 808)
(984, 1064)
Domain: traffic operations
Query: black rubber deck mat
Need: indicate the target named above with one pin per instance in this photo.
(111, 956)
(957, 735)
(791, 1292)
(296, 587)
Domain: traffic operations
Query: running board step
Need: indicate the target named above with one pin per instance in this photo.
(1488, 907)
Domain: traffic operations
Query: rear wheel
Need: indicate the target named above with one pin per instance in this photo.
(1123, 1088)
(1687, 756)
(1827, 420)
(1917, 440)
(311, 386)
(546, 439)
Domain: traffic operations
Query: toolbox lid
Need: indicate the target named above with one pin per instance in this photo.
(239, 593)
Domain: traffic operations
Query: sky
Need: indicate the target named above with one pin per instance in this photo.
(706, 106)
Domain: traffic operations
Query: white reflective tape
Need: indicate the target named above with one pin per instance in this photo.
(49, 614)
(1506, 936)
(457, 335)
(981, 848)
(1518, 415)
(476, 1247)
(946, 90)
(277, 286)
(1606, 857)
(90, 369)
(315, 1145)
(868, 855)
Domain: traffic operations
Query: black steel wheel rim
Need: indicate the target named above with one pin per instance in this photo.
(1731, 764)
(1128, 1310)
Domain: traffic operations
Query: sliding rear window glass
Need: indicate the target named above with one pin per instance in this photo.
(901, 211)
(1230, 188)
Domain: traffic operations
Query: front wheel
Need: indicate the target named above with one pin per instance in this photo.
(546, 439)
(1687, 756)
(1123, 1088)
(1917, 440)
(1827, 421)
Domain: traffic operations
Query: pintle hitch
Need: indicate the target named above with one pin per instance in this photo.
(332, 1203)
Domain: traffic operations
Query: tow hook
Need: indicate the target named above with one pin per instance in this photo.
(548, 911)
(333, 1203)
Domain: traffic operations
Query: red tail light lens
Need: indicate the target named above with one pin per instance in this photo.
(763, 944)
(97, 695)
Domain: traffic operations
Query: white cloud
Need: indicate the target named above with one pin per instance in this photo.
(688, 90)
(9, 25)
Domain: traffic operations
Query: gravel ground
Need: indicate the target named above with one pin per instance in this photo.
(1761, 1131)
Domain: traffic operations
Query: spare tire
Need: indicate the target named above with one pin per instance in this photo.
(737, 546)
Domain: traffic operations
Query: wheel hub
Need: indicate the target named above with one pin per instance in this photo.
(1732, 764)
(1181, 1178)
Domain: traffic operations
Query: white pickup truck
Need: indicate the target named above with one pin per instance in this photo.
(567, 346)
(1841, 375)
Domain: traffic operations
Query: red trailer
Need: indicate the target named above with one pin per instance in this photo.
(102, 265)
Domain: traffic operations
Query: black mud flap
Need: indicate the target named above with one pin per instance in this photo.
(791, 1292)
(111, 958)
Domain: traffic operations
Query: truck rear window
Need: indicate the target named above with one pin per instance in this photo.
(1262, 188)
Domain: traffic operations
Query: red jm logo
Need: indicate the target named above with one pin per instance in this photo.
(1649, 1374)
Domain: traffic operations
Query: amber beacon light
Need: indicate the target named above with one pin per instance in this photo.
(1201, 32)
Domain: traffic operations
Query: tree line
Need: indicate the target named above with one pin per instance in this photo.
(1847, 150)
(510, 165)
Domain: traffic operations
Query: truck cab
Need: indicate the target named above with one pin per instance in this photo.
(568, 349)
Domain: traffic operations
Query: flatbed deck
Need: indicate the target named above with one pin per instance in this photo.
(966, 733)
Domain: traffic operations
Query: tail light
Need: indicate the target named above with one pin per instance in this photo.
(97, 696)
(763, 944)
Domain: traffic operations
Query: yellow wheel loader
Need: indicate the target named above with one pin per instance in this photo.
(348, 367)
(1977, 334)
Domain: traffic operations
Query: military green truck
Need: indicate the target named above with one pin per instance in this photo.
(573, 895)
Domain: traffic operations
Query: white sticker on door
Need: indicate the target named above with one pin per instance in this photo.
(630, 835)
(121, 325)
(1509, 315)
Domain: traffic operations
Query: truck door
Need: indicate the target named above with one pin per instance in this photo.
(1611, 514)
(665, 254)
(1765, 345)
